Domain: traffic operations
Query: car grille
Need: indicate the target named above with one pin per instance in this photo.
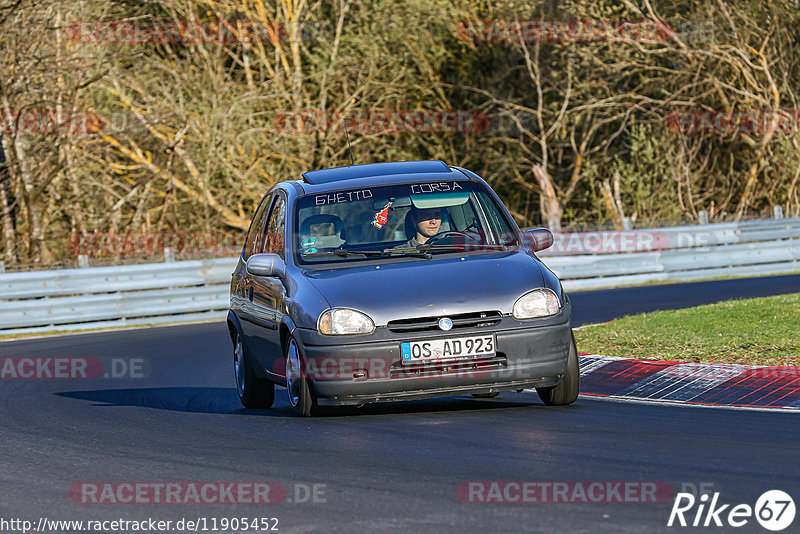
(463, 320)
(458, 367)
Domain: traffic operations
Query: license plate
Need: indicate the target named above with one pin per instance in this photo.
(454, 348)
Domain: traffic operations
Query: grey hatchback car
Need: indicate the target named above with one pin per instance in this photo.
(393, 281)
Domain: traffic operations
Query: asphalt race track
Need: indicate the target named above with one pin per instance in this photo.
(606, 304)
(391, 468)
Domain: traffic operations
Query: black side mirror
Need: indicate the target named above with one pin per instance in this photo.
(266, 265)
(539, 238)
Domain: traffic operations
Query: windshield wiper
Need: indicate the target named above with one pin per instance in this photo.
(466, 246)
(420, 251)
(498, 246)
(344, 253)
(408, 251)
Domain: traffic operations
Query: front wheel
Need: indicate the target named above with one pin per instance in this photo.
(566, 391)
(253, 391)
(297, 387)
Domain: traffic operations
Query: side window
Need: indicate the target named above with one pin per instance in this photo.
(495, 232)
(276, 225)
(254, 235)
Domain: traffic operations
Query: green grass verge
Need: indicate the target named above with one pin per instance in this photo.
(761, 331)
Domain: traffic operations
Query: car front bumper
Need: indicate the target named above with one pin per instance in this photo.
(354, 370)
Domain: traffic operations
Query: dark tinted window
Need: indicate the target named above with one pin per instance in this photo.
(386, 217)
(273, 241)
(255, 235)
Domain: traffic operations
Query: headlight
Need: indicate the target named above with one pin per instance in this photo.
(537, 303)
(342, 321)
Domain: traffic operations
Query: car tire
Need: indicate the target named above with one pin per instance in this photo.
(485, 395)
(301, 398)
(566, 391)
(253, 392)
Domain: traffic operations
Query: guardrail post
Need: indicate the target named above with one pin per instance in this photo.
(777, 211)
(169, 255)
(626, 223)
(83, 261)
(2, 267)
(703, 216)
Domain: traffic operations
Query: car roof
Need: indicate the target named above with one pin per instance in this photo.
(337, 174)
(377, 174)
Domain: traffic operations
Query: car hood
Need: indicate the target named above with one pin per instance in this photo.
(422, 288)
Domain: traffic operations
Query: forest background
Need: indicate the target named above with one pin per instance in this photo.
(171, 116)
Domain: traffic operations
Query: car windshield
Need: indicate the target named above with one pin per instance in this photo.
(417, 220)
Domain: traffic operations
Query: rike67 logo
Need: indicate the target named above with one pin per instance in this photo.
(774, 510)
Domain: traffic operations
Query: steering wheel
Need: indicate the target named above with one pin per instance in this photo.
(473, 225)
(445, 235)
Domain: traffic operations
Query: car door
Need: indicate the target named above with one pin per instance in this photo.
(243, 292)
(269, 293)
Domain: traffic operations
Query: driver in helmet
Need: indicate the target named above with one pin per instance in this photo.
(427, 223)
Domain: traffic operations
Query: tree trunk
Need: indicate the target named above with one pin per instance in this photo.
(6, 212)
(37, 249)
(9, 237)
(551, 208)
(613, 199)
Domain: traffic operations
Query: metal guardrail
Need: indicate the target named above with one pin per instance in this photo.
(37, 284)
(681, 236)
(678, 253)
(79, 299)
(128, 295)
